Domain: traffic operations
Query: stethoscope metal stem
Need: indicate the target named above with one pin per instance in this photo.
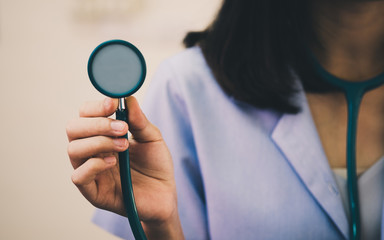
(122, 104)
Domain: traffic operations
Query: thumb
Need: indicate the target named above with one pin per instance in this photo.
(142, 130)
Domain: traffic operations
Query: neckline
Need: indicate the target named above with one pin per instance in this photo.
(371, 171)
(347, 86)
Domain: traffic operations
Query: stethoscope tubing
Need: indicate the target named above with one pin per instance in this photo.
(353, 102)
(126, 183)
(354, 92)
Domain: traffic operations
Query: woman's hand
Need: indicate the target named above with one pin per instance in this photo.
(93, 147)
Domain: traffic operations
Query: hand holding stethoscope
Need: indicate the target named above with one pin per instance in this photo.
(96, 139)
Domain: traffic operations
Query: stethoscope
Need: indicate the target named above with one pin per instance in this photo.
(117, 69)
(354, 92)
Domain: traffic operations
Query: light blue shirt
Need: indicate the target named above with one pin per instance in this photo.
(241, 172)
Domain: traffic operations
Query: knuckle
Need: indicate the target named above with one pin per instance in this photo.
(70, 150)
(83, 109)
(69, 127)
(103, 124)
(76, 179)
(156, 131)
(108, 106)
(98, 145)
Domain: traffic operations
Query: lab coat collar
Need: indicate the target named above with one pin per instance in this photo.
(298, 140)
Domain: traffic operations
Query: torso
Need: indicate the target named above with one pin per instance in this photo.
(329, 112)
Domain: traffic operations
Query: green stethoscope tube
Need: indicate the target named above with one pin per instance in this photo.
(354, 92)
(126, 186)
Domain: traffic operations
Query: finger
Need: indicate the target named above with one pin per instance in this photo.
(142, 130)
(102, 108)
(88, 127)
(87, 172)
(81, 149)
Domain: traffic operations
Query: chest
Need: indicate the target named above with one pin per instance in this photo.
(329, 112)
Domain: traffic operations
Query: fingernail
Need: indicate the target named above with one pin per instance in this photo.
(117, 125)
(110, 159)
(121, 142)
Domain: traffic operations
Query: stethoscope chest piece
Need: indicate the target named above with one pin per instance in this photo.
(116, 68)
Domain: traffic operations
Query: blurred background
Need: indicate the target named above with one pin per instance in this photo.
(44, 48)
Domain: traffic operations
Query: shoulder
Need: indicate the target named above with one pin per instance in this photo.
(188, 60)
(187, 69)
(180, 83)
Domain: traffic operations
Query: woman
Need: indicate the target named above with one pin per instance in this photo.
(253, 132)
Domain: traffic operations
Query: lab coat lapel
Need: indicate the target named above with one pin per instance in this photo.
(297, 138)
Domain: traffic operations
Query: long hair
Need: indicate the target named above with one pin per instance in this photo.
(256, 47)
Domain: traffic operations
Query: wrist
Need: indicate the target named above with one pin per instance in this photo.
(167, 229)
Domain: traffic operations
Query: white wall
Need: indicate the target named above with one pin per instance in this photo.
(44, 48)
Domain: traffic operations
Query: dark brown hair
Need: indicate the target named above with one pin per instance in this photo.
(256, 47)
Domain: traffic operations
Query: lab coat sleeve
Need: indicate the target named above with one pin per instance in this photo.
(382, 222)
(167, 109)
